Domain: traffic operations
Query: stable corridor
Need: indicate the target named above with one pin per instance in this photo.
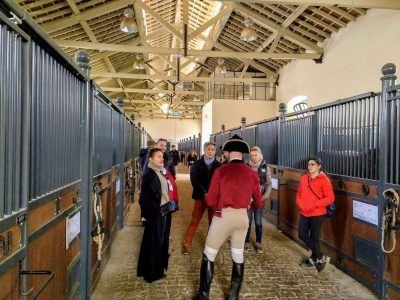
(275, 274)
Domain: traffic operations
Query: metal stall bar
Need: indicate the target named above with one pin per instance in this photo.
(397, 166)
(86, 172)
(9, 126)
(14, 118)
(121, 160)
(388, 79)
(3, 89)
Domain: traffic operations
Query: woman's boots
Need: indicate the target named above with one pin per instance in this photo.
(206, 276)
(236, 281)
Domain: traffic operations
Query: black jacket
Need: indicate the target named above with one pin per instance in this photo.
(169, 164)
(143, 157)
(191, 159)
(175, 156)
(150, 195)
(200, 177)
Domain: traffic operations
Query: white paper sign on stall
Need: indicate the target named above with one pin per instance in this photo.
(73, 227)
(365, 212)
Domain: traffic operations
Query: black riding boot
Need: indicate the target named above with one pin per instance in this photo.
(206, 275)
(236, 281)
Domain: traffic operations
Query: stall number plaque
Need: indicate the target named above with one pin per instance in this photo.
(365, 212)
(73, 227)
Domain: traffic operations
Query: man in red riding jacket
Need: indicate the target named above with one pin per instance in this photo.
(233, 188)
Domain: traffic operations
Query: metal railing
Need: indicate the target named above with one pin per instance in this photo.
(344, 133)
(14, 118)
(393, 141)
(56, 110)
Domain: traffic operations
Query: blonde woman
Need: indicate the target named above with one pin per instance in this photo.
(258, 165)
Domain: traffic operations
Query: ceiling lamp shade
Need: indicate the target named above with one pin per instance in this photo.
(139, 63)
(128, 24)
(220, 68)
(165, 108)
(248, 34)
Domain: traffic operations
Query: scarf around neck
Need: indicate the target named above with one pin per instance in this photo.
(255, 165)
(208, 162)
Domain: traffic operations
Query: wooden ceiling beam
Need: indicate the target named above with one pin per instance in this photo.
(328, 17)
(141, 101)
(320, 22)
(294, 37)
(190, 52)
(384, 4)
(87, 15)
(183, 78)
(342, 13)
(161, 20)
(152, 91)
(93, 38)
(210, 22)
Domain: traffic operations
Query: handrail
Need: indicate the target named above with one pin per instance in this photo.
(50, 277)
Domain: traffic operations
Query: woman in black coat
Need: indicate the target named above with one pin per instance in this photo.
(154, 193)
(192, 157)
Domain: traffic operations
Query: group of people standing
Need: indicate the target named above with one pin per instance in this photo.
(232, 193)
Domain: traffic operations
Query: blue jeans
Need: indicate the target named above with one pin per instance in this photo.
(258, 213)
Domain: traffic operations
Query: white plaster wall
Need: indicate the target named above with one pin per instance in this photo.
(229, 112)
(207, 121)
(353, 58)
(171, 129)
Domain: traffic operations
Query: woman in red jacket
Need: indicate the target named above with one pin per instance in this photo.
(315, 192)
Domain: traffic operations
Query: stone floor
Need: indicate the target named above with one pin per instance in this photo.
(275, 274)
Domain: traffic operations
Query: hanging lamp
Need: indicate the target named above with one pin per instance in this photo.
(128, 23)
(139, 63)
(248, 34)
(220, 68)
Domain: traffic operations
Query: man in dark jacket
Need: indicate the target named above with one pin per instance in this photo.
(168, 164)
(201, 173)
(143, 153)
(174, 155)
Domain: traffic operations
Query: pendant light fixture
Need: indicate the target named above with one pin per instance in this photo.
(139, 63)
(248, 34)
(220, 68)
(128, 23)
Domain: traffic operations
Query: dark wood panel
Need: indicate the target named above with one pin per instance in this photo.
(392, 294)
(9, 285)
(40, 216)
(109, 212)
(48, 252)
(353, 187)
(288, 210)
(67, 200)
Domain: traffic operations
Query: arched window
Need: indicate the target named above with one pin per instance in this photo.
(297, 103)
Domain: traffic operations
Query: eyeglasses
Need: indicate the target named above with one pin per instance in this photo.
(312, 164)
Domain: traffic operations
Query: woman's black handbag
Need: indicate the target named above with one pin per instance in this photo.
(330, 209)
(168, 207)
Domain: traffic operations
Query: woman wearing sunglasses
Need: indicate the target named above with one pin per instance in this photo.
(315, 192)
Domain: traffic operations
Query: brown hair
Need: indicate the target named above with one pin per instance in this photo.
(153, 151)
(317, 160)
